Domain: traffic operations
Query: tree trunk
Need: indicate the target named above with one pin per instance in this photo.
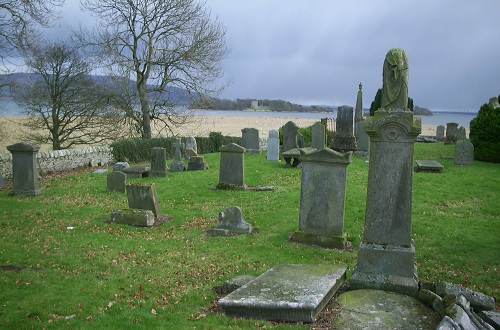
(146, 118)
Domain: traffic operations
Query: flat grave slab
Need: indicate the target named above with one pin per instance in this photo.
(428, 166)
(293, 293)
(137, 171)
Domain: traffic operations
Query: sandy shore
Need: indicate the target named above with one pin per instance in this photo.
(11, 130)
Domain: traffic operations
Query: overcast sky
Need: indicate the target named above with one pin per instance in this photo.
(318, 51)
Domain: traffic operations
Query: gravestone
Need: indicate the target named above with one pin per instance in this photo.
(190, 144)
(344, 139)
(196, 163)
(440, 133)
(273, 146)
(24, 169)
(451, 133)
(116, 181)
(358, 115)
(177, 165)
(291, 140)
(119, 166)
(231, 222)
(232, 165)
(386, 254)
(318, 136)
(462, 134)
(137, 171)
(290, 293)
(143, 196)
(428, 166)
(322, 198)
(464, 153)
(158, 162)
(133, 217)
(362, 139)
(190, 152)
(250, 140)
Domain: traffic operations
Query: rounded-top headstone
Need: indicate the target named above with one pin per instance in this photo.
(273, 133)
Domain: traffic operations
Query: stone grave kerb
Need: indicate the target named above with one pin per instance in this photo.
(24, 169)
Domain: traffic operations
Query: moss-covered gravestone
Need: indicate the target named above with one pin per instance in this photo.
(232, 167)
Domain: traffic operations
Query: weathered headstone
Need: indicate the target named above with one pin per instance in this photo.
(232, 165)
(119, 166)
(250, 140)
(190, 144)
(358, 115)
(344, 139)
(177, 165)
(362, 139)
(386, 255)
(143, 196)
(273, 146)
(318, 136)
(440, 133)
(462, 133)
(24, 169)
(291, 140)
(451, 133)
(464, 153)
(322, 198)
(116, 181)
(158, 162)
(231, 222)
(197, 163)
(137, 171)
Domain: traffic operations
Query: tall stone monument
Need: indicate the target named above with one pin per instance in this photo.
(358, 114)
(386, 254)
(322, 198)
(24, 169)
(344, 139)
(362, 139)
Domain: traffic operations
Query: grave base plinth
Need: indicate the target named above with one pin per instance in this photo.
(332, 242)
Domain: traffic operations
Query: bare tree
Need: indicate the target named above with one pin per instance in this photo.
(159, 44)
(18, 16)
(64, 100)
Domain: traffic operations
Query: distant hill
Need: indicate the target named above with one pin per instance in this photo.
(421, 111)
(176, 95)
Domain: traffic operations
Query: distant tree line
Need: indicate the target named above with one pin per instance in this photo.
(244, 104)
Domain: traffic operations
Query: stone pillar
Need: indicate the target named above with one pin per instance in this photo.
(24, 169)
(440, 133)
(250, 140)
(451, 133)
(158, 162)
(232, 165)
(358, 115)
(318, 136)
(386, 255)
(273, 146)
(344, 139)
(322, 198)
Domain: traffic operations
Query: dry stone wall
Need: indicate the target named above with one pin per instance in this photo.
(63, 160)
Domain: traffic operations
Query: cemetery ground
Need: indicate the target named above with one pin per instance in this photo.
(62, 265)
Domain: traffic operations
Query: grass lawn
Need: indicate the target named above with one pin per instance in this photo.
(100, 275)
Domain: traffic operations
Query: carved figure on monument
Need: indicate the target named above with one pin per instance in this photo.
(395, 80)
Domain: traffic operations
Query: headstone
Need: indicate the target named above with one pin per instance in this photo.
(451, 133)
(190, 144)
(197, 163)
(386, 255)
(119, 166)
(440, 133)
(116, 181)
(344, 139)
(177, 165)
(137, 171)
(462, 134)
(362, 139)
(232, 165)
(428, 166)
(464, 153)
(322, 198)
(158, 162)
(250, 140)
(395, 80)
(358, 115)
(144, 197)
(291, 140)
(231, 222)
(318, 136)
(24, 169)
(291, 293)
(273, 146)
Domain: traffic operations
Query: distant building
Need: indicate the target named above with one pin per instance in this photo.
(254, 104)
